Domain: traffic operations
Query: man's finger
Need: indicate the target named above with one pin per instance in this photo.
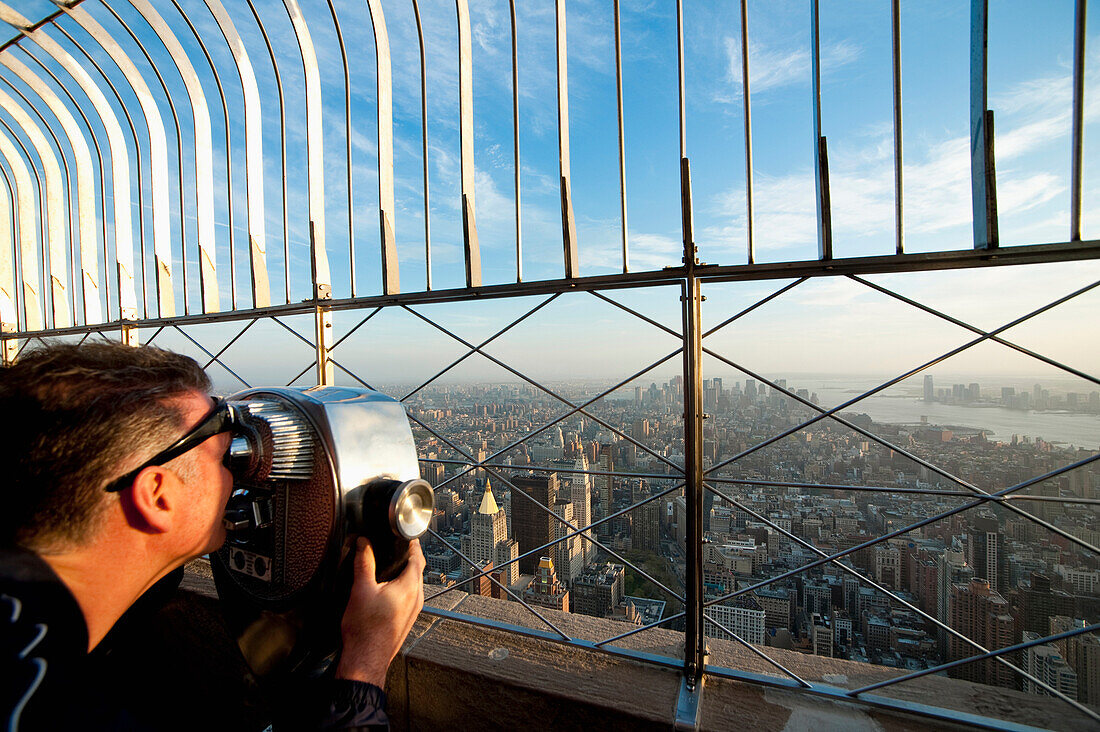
(364, 561)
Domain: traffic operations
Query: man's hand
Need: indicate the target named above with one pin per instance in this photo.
(379, 615)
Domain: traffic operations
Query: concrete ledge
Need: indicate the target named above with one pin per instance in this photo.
(453, 674)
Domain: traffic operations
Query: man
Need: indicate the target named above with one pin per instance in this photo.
(90, 522)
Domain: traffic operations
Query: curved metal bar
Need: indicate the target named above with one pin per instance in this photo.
(158, 153)
(424, 146)
(515, 135)
(228, 163)
(322, 282)
(55, 201)
(568, 224)
(27, 228)
(347, 143)
(125, 275)
(69, 200)
(282, 144)
(391, 283)
(9, 295)
(204, 155)
(466, 134)
(42, 269)
(85, 179)
(179, 156)
(254, 156)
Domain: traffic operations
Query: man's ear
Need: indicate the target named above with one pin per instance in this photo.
(152, 500)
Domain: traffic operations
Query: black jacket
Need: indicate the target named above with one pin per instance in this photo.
(49, 681)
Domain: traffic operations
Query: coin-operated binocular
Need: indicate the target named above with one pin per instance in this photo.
(313, 469)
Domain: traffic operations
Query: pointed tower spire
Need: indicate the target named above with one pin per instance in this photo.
(488, 503)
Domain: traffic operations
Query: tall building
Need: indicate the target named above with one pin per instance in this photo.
(604, 464)
(981, 614)
(1046, 664)
(821, 635)
(488, 538)
(951, 568)
(580, 494)
(599, 590)
(888, 566)
(744, 617)
(985, 551)
(567, 553)
(1082, 653)
(533, 525)
(929, 389)
(545, 590)
(647, 528)
(1039, 603)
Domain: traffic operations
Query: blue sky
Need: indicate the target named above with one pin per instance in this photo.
(1029, 90)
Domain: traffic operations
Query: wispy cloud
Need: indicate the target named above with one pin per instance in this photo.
(773, 68)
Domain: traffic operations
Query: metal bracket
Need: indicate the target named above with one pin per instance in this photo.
(688, 704)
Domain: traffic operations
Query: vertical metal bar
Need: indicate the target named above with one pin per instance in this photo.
(204, 163)
(93, 313)
(158, 153)
(821, 154)
(690, 297)
(746, 100)
(9, 313)
(52, 215)
(391, 281)
(466, 134)
(125, 274)
(898, 197)
(254, 162)
(568, 225)
(42, 273)
(424, 148)
(204, 153)
(208, 266)
(622, 135)
(515, 136)
(64, 169)
(694, 638)
(322, 281)
(347, 139)
(282, 144)
(28, 257)
(179, 156)
(12, 227)
(983, 178)
(1078, 118)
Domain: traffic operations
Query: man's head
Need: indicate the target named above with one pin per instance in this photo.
(78, 417)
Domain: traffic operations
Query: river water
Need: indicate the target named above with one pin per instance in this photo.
(904, 405)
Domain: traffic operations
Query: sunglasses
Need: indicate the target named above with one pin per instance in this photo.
(224, 417)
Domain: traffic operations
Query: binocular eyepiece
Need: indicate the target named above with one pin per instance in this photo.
(313, 469)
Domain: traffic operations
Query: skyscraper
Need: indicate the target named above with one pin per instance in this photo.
(488, 538)
(981, 614)
(985, 551)
(533, 525)
(567, 553)
(545, 590)
(929, 388)
(580, 494)
(598, 591)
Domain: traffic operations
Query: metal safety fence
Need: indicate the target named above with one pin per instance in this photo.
(106, 231)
